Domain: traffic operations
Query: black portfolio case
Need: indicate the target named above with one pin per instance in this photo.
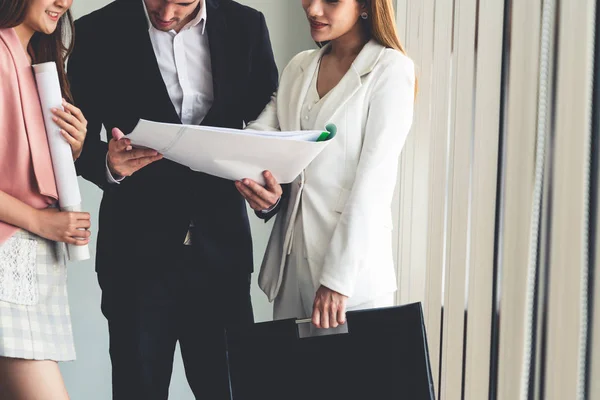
(383, 356)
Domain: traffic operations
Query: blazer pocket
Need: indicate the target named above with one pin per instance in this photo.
(18, 271)
(342, 199)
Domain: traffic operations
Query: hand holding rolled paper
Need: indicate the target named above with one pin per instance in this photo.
(73, 126)
(69, 197)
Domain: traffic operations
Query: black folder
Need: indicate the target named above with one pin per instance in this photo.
(383, 356)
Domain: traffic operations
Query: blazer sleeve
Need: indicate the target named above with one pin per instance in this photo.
(267, 120)
(366, 211)
(84, 71)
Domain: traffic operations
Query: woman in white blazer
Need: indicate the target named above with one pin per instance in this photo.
(331, 245)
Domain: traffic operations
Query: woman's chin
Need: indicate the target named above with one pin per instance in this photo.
(47, 29)
(319, 37)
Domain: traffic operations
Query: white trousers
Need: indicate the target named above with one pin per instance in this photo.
(297, 291)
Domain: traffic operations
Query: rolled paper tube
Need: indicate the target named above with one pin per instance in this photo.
(69, 197)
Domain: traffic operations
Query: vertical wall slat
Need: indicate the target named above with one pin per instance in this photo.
(485, 165)
(438, 177)
(420, 167)
(401, 21)
(520, 135)
(407, 165)
(460, 155)
(594, 383)
(568, 258)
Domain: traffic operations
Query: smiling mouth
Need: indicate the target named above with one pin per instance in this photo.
(53, 14)
(317, 24)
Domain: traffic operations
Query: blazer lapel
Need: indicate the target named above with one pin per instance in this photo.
(350, 83)
(145, 67)
(300, 88)
(216, 28)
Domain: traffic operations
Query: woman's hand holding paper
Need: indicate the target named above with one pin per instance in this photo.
(260, 198)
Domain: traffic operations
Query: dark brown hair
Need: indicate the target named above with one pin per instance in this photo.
(42, 47)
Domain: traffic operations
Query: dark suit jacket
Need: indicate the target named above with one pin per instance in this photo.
(116, 81)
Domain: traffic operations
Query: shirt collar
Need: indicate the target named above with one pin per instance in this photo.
(200, 17)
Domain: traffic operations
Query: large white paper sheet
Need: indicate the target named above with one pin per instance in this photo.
(232, 153)
(69, 197)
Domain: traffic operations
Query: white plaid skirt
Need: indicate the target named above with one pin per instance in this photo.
(35, 320)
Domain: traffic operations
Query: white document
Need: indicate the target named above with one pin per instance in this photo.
(232, 153)
(69, 197)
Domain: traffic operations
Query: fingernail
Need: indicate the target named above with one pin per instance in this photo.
(54, 110)
(54, 119)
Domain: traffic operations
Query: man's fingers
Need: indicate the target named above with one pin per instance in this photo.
(140, 154)
(119, 146)
(140, 163)
(117, 134)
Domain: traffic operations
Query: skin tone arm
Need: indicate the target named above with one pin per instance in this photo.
(48, 223)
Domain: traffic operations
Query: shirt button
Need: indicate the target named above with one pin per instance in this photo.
(309, 108)
(306, 117)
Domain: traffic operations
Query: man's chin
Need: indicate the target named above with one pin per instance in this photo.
(164, 27)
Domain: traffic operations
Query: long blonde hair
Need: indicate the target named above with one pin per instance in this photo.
(381, 25)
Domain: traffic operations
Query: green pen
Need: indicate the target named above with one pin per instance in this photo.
(331, 131)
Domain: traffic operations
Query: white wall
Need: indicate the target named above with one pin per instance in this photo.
(89, 377)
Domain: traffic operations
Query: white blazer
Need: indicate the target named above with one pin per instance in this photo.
(347, 190)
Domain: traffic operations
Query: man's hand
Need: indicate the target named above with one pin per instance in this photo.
(260, 198)
(123, 159)
(329, 308)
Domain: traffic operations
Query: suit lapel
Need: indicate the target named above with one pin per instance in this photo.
(216, 28)
(144, 66)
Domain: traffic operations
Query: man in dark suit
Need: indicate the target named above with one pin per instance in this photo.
(174, 253)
